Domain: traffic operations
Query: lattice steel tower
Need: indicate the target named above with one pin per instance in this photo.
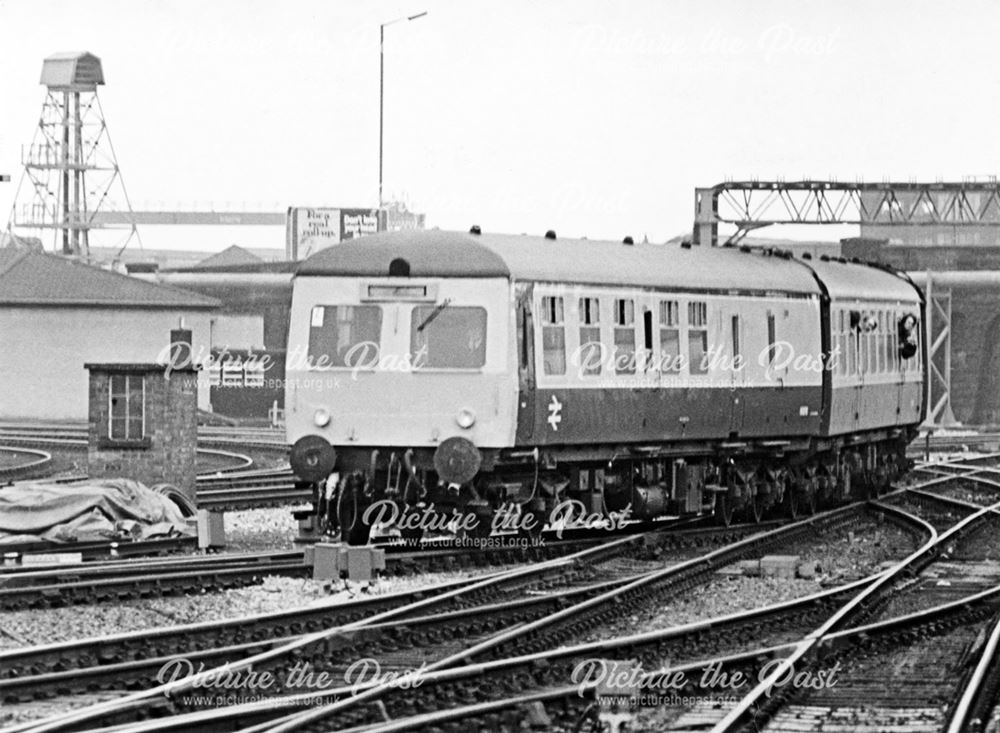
(70, 165)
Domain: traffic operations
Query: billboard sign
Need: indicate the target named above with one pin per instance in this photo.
(356, 223)
(308, 230)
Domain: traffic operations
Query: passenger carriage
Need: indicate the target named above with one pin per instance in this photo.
(480, 372)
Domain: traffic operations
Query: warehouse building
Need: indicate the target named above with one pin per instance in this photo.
(57, 314)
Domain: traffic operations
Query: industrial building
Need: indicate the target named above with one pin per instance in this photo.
(57, 314)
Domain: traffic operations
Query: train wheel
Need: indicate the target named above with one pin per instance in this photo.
(723, 509)
(792, 502)
(844, 481)
(811, 501)
(756, 504)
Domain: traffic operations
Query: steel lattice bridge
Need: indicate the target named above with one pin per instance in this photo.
(751, 205)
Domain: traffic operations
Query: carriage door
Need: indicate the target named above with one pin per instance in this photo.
(525, 363)
(860, 359)
(737, 372)
(649, 365)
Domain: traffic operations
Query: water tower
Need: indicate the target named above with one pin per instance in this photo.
(70, 165)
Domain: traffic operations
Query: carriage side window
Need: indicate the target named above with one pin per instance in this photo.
(853, 338)
(344, 336)
(670, 337)
(624, 334)
(885, 355)
(863, 350)
(878, 358)
(736, 339)
(872, 344)
(698, 337)
(841, 343)
(771, 338)
(553, 336)
(127, 407)
(909, 325)
(448, 338)
(894, 339)
(591, 351)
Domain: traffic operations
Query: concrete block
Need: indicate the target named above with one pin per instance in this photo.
(325, 565)
(807, 570)
(331, 561)
(779, 566)
(361, 563)
(211, 529)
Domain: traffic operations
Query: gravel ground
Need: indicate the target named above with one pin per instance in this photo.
(260, 530)
(43, 626)
(841, 556)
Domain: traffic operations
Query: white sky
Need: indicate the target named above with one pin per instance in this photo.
(593, 118)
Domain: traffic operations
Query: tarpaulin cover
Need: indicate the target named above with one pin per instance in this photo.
(88, 511)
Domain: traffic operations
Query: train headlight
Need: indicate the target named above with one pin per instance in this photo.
(321, 417)
(465, 418)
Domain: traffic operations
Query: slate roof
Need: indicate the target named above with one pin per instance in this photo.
(35, 278)
(233, 255)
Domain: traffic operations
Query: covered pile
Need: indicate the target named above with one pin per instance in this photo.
(94, 510)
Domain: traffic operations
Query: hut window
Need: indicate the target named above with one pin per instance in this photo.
(127, 407)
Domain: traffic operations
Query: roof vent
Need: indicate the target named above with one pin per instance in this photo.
(806, 256)
(550, 234)
(474, 229)
(628, 240)
(399, 268)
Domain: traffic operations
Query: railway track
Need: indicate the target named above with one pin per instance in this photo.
(21, 553)
(225, 481)
(252, 489)
(533, 671)
(569, 707)
(916, 638)
(495, 658)
(344, 618)
(980, 441)
(22, 462)
(548, 630)
(63, 585)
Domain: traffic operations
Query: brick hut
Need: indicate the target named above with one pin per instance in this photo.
(144, 424)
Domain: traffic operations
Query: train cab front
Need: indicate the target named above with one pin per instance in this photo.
(400, 393)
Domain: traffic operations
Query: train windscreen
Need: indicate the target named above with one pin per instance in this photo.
(344, 335)
(448, 338)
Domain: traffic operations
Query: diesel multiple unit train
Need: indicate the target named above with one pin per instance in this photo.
(491, 375)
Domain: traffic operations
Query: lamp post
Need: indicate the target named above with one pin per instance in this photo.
(381, 90)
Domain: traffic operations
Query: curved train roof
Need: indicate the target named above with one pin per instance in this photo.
(434, 253)
(853, 280)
